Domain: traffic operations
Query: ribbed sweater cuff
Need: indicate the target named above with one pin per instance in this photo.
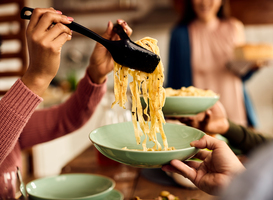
(87, 87)
(21, 100)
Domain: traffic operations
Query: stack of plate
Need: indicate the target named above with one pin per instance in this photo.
(73, 187)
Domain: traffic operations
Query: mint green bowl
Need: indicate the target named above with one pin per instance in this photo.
(177, 106)
(71, 187)
(110, 140)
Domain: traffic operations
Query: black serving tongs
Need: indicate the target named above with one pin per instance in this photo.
(124, 51)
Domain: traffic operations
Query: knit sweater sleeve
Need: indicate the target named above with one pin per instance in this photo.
(16, 107)
(48, 124)
(244, 138)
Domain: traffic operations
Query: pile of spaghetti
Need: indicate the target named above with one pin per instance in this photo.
(150, 87)
(190, 91)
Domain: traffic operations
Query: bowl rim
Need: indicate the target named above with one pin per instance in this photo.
(74, 174)
(153, 152)
(192, 97)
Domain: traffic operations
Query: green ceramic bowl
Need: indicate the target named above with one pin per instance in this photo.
(187, 106)
(110, 140)
(71, 187)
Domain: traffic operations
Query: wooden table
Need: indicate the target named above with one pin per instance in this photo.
(130, 181)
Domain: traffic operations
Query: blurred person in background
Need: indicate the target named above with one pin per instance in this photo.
(201, 46)
(21, 125)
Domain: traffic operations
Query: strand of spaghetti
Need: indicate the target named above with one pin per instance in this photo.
(145, 96)
(134, 114)
(116, 83)
(139, 111)
(123, 84)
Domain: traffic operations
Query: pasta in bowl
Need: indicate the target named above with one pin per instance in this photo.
(188, 101)
(110, 140)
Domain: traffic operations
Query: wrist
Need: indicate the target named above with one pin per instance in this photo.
(95, 76)
(221, 127)
(225, 127)
(37, 84)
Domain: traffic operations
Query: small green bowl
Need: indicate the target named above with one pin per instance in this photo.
(110, 140)
(177, 106)
(70, 187)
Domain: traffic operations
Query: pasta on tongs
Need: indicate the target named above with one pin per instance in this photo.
(150, 86)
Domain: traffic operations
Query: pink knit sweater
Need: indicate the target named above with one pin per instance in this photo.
(21, 126)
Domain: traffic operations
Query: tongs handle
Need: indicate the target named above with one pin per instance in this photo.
(73, 26)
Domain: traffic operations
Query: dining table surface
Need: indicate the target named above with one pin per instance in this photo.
(131, 181)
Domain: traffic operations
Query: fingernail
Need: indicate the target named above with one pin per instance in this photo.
(70, 19)
(59, 12)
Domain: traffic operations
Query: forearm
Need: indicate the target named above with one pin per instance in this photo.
(16, 107)
(48, 124)
(242, 68)
(95, 76)
(244, 138)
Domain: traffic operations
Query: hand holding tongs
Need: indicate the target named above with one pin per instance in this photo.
(124, 51)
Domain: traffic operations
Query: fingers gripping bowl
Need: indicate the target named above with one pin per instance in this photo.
(110, 140)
